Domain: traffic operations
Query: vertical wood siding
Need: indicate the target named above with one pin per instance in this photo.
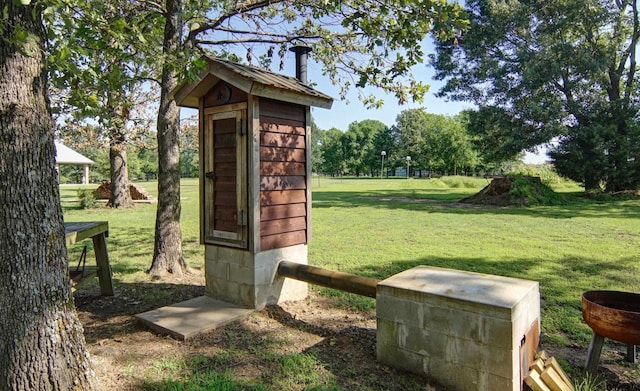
(283, 209)
(224, 158)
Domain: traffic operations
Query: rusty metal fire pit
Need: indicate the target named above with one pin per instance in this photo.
(614, 315)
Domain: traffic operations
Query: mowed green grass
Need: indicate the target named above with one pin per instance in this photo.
(377, 228)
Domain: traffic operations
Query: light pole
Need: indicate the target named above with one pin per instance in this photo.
(408, 163)
(383, 154)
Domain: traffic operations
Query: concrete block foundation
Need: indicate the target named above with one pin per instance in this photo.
(467, 331)
(251, 280)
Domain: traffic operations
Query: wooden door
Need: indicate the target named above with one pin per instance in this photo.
(225, 178)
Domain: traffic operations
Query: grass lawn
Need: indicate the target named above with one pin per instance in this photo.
(377, 228)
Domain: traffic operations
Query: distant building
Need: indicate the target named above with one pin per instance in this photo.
(66, 155)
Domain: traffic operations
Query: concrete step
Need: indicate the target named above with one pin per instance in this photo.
(189, 318)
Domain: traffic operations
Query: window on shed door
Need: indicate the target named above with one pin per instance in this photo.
(225, 209)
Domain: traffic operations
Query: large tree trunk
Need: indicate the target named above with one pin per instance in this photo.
(120, 196)
(41, 342)
(167, 253)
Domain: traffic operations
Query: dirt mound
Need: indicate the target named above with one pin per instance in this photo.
(514, 190)
(137, 193)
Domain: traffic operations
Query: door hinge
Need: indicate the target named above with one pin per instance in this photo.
(242, 218)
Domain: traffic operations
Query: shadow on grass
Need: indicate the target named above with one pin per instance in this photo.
(445, 201)
(112, 316)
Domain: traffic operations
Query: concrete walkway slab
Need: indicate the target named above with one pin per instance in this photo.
(189, 318)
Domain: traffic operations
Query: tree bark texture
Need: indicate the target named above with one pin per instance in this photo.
(120, 196)
(41, 339)
(167, 252)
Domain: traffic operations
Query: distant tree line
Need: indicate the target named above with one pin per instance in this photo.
(429, 144)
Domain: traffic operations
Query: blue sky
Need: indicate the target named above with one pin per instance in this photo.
(342, 113)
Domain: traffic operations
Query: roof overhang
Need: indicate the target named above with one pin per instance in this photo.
(66, 155)
(251, 80)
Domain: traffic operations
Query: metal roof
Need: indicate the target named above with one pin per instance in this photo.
(269, 78)
(252, 80)
(66, 155)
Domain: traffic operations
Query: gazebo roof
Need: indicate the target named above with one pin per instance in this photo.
(66, 155)
(252, 80)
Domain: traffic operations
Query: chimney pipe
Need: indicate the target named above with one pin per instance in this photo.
(301, 62)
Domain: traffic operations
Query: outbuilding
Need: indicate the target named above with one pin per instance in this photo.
(255, 177)
(66, 155)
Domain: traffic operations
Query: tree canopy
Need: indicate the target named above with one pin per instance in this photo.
(554, 70)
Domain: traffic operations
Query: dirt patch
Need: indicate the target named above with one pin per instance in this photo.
(127, 356)
(514, 190)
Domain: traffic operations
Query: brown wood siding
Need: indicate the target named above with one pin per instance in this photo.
(282, 197)
(283, 170)
(283, 182)
(275, 227)
(276, 212)
(281, 140)
(282, 240)
(282, 110)
(225, 165)
(277, 154)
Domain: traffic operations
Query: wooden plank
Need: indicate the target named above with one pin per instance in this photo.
(283, 183)
(531, 342)
(266, 120)
(308, 120)
(226, 169)
(225, 155)
(282, 240)
(553, 380)
(225, 197)
(273, 227)
(224, 126)
(204, 158)
(278, 109)
(282, 211)
(534, 381)
(269, 139)
(104, 268)
(275, 125)
(224, 109)
(224, 140)
(226, 214)
(283, 168)
(552, 362)
(537, 366)
(226, 225)
(253, 163)
(278, 154)
(281, 197)
(225, 183)
(268, 92)
(543, 355)
(77, 231)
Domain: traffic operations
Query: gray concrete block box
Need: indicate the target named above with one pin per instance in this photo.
(470, 331)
